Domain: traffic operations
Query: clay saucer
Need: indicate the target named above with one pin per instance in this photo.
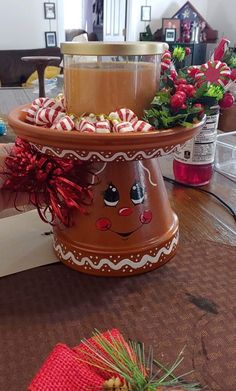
(100, 147)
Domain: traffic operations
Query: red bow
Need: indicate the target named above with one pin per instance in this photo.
(63, 370)
(54, 185)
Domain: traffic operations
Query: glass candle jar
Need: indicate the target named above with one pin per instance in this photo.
(100, 77)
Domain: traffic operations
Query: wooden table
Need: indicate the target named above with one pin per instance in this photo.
(201, 216)
(188, 302)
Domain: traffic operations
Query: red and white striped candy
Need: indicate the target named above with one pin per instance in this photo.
(166, 55)
(31, 113)
(47, 116)
(40, 102)
(126, 115)
(65, 123)
(53, 104)
(142, 126)
(103, 126)
(123, 127)
(85, 126)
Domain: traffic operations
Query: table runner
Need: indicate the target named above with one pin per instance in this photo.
(191, 301)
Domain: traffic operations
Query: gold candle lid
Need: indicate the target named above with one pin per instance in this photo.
(114, 48)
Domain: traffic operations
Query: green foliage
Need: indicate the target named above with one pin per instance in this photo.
(232, 62)
(178, 53)
(230, 58)
(215, 92)
(130, 361)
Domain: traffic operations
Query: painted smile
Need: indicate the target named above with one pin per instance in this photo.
(126, 234)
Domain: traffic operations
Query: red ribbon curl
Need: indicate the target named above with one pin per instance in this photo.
(55, 186)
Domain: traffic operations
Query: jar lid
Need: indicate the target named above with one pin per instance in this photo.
(113, 48)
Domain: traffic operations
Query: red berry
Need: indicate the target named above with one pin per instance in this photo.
(200, 108)
(227, 101)
(181, 87)
(180, 81)
(190, 90)
(176, 101)
(181, 93)
(183, 107)
(187, 51)
(233, 74)
(173, 74)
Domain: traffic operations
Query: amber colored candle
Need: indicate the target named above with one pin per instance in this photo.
(102, 88)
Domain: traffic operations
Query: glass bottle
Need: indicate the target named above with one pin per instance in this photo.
(193, 163)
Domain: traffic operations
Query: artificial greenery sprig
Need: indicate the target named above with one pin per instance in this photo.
(130, 367)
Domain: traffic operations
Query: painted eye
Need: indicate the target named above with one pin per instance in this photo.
(111, 195)
(137, 193)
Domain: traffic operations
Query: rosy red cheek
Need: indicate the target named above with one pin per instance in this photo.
(146, 217)
(103, 224)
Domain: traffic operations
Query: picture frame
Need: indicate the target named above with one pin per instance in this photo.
(171, 23)
(49, 11)
(146, 13)
(50, 39)
(170, 35)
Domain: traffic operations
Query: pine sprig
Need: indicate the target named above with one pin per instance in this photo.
(128, 361)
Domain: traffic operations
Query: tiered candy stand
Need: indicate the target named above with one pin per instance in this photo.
(130, 227)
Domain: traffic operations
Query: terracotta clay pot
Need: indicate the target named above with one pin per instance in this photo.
(227, 119)
(130, 228)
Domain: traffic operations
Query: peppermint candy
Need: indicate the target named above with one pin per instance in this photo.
(126, 115)
(165, 61)
(47, 116)
(31, 113)
(39, 102)
(166, 56)
(34, 114)
(65, 123)
(85, 126)
(142, 126)
(213, 72)
(54, 104)
(123, 127)
(103, 126)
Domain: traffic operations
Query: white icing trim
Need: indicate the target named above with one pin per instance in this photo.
(117, 155)
(149, 174)
(134, 265)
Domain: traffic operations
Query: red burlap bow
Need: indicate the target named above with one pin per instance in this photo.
(55, 186)
(63, 371)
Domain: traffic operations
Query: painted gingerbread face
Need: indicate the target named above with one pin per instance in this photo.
(129, 228)
(122, 211)
(113, 199)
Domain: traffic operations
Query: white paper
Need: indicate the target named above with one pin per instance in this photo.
(23, 244)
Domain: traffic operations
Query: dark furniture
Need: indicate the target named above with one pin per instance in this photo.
(14, 72)
(40, 63)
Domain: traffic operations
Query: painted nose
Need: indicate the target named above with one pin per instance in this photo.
(125, 211)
